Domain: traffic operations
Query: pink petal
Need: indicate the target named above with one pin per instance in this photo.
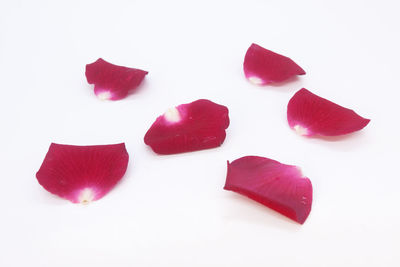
(262, 66)
(309, 114)
(82, 173)
(280, 187)
(189, 127)
(112, 82)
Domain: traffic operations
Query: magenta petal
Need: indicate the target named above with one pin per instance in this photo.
(189, 127)
(280, 187)
(309, 114)
(82, 173)
(112, 82)
(262, 66)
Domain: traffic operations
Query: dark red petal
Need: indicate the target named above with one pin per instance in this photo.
(262, 66)
(112, 82)
(309, 114)
(82, 173)
(189, 127)
(278, 186)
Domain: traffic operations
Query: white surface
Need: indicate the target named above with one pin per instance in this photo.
(172, 210)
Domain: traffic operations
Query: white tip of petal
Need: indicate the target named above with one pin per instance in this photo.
(255, 80)
(172, 115)
(86, 196)
(300, 130)
(300, 172)
(106, 95)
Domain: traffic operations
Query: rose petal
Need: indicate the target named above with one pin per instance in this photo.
(189, 127)
(309, 114)
(280, 187)
(112, 82)
(262, 66)
(82, 173)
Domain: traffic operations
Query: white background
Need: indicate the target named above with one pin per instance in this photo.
(172, 210)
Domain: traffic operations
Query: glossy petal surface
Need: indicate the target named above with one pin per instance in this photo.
(262, 66)
(112, 82)
(280, 187)
(309, 114)
(189, 127)
(82, 174)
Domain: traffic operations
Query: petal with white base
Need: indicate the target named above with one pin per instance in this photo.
(82, 174)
